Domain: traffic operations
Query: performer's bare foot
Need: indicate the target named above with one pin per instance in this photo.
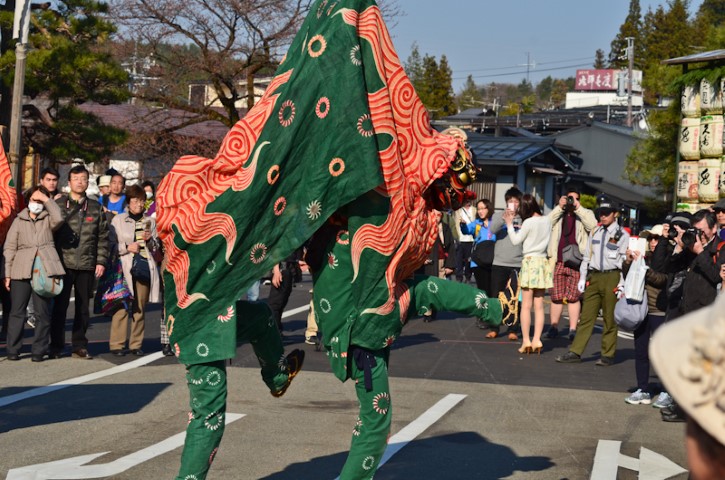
(294, 360)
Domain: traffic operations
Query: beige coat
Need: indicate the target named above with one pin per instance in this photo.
(123, 234)
(586, 222)
(28, 237)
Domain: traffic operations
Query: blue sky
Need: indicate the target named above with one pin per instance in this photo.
(481, 37)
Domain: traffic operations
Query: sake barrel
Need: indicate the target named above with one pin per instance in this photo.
(722, 178)
(711, 128)
(710, 97)
(708, 180)
(691, 101)
(686, 207)
(687, 182)
(690, 139)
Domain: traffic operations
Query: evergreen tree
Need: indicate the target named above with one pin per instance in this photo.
(445, 100)
(668, 35)
(632, 27)
(413, 66)
(600, 61)
(544, 89)
(710, 17)
(470, 96)
(68, 64)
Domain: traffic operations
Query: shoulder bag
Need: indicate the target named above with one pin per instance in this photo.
(571, 256)
(42, 284)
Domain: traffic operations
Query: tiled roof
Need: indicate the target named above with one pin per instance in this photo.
(136, 118)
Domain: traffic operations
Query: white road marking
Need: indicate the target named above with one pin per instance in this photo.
(650, 465)
(35, 392)
(606, 460)
(75, 468)
(295, 311)
(419, 425)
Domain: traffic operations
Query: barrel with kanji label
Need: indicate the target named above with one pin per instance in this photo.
(711, 132)
(687, 182)
(708, 179)
(691, 100)
(710, 97)
(690, 139)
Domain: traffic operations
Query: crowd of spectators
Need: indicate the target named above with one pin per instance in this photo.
(76, 243)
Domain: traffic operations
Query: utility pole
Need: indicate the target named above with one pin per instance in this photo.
(21, 26)
(630, 56)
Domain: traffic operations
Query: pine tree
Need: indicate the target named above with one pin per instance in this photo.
(631, 27)
(600, 61)
(413, 66)
(68, 63)
(470, 95)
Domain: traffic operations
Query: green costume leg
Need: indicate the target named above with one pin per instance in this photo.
(370, 435)
(256, 324)
(208, 393)
(444, 295)
(593, 296)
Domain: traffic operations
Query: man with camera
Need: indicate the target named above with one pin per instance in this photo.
(571, 224)
(600, 274)
(703, 275)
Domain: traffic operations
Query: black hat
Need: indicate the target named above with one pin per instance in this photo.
(683, 219)
(606, 207)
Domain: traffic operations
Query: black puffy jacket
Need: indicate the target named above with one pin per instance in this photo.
(82, 241)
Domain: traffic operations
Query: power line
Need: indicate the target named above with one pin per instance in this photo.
(522, 72)
(517, 66)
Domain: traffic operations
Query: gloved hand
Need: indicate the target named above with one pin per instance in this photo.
(582, 285)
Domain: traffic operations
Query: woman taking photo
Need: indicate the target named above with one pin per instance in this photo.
(136, 239)
(480, 229)
(536, 274)
(31, 235)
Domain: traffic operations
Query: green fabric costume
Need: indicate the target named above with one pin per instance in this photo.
(340, 127)
(357, 338)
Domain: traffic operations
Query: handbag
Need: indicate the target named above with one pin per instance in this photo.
(140, 269)
(571, 256)
(482, 252)
(43, 284)
(113, 292)
(629, 314)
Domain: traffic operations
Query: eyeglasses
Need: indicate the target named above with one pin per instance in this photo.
(718, 210)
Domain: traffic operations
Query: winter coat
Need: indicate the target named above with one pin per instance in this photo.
(28, 238)
(82, 241)
(123, 234)
(703, 276)
(585, 223)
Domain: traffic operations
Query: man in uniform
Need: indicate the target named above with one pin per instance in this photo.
(600, 274)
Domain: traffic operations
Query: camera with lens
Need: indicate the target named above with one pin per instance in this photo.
(689, 237)
(671, 233)
(569, 203)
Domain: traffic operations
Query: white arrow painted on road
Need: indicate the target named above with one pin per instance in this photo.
(650, 465)
(76, 468)
(419, 425)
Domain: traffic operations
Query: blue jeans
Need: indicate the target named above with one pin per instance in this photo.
(253, 292)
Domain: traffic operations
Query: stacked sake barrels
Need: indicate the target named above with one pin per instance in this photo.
(699, 182)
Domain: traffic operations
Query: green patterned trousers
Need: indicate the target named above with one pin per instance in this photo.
(207, 384)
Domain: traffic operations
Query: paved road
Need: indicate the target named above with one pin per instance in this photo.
(517, 417)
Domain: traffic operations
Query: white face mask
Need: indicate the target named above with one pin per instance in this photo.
(35, 207)
(149, 195)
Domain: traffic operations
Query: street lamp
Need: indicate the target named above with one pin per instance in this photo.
(21, 26)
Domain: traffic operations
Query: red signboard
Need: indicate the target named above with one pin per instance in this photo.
(596, 79)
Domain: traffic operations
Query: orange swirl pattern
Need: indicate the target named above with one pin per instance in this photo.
(8, 196)
(194, 182)
(416, 157)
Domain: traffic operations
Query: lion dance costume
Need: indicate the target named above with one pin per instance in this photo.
(338, 151)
